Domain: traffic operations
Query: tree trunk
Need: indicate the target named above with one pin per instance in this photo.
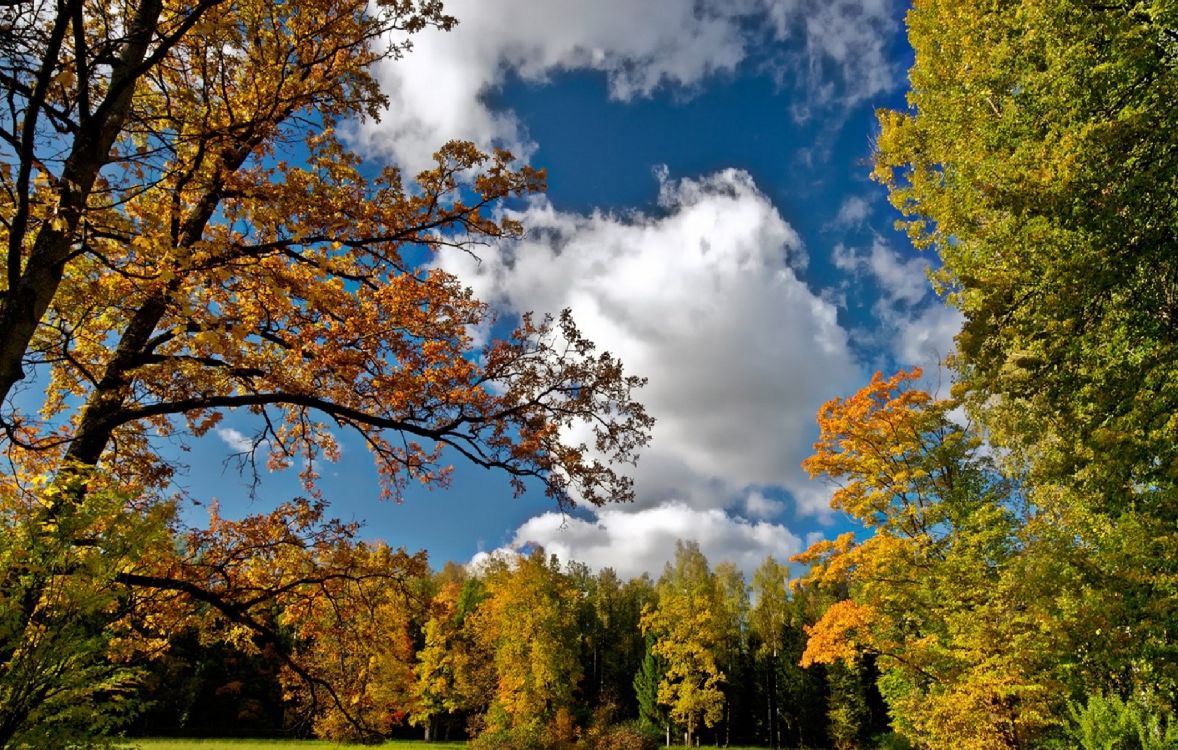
(773, 732)
(29, 295)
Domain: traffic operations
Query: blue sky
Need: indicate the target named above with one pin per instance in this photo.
(709, 219)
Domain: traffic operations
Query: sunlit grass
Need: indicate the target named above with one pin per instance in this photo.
(229, 744)
(175, 744)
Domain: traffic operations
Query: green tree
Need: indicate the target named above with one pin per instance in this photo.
(767, 622)
(687, 623)
(732, 657)
(612, 645)
(1110, 723)
(653, 669)
(65, 642)
(636, 594)
(847, 712)
(1039, 157)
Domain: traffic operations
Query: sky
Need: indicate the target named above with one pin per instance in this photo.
(709, 219)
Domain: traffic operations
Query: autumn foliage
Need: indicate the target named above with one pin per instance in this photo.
(935, 591)
(185, 233)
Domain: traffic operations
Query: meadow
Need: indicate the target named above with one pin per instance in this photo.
(237, 744)
(234, 744)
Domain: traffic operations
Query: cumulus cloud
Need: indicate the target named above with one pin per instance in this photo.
(926, 338)
(703, 297)
(835, 50)
(639, 542)
(703, 300)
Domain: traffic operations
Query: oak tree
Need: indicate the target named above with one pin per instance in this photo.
(185, 233)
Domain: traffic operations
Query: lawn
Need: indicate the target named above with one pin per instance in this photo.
(170, 744)
(295, 745)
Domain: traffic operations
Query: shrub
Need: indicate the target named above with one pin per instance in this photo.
(1111, 723)
(891, 741)
(528, 737)
(628, 736)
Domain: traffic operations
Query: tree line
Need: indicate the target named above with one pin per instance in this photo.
(523, 650)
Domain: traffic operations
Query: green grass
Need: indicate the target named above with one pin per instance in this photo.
(162, 744)
(296, 744)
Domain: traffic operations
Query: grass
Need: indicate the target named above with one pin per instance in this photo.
(228, 744)
(158, 744)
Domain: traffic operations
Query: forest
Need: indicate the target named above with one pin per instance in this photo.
(188, 232)
(527, 652)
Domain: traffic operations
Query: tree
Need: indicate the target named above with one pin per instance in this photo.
(687, 625)
(528, 626)
(434, 689)
(185, 234)
(1039, 158)
(732, 653)
(61, 615)
(454, 675)
(622, 646)
(332, 610)
(949, 593)
(355, 637)
(651, 672)
(767, 622)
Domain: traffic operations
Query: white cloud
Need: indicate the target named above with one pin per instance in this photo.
(898, 280)
(901, 280)
(853, 212)
(756, 505)
(926, 338)
(912, 325)
(636, 542)
(844, 43)
(237, 440)
(835, 50)
(704, 301)
(845, 258)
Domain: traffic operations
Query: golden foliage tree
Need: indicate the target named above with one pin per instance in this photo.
(184, 233)
(950, 590)
(454, 675)
(528, 626)
(688, 625)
